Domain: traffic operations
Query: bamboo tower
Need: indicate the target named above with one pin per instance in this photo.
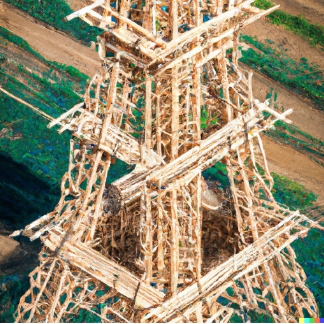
(170, 98)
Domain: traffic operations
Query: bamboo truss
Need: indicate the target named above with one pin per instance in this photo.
(170, 99)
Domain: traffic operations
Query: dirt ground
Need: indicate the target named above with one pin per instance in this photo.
(286, 161)
(312, 10)
(53, 45)
(78, 4)
(7, 247)
(293, 45)
(16, 255)
(304, 116)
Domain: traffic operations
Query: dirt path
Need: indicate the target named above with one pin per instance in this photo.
(293, 45)
(77, 4)
(7, 247)
(53, 45)
(312, 10)
(287, 162)
(304, 116)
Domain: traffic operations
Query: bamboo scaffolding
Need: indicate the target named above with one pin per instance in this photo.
(151, 247)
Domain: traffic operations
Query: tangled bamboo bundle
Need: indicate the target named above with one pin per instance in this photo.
(170, 99)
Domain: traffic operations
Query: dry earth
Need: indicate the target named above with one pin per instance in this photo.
(7, 247)
(53, 45)
(312, 10)
(292, 44)
(288, 162)
(284, 160)
(16, 257)
(304, 116)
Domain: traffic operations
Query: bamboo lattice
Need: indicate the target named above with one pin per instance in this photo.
(171, 99)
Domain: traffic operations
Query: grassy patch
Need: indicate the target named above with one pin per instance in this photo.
(309, 251)
(291, 193)
(285, 191)
(54, 88)
(313, 33)
(291, 135)
(11, 289)
(299, 140)
(302, 77)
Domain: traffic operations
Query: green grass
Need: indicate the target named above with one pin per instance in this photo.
(291, 135)
(303, 77)
(313, 33)
(11, 289)
(309, 251)
(54, 89)
(11, 37)
(291, 193)
(53, 12)
(299, 140)
(285, 191)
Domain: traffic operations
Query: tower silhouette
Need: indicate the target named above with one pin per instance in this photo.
(170, 98)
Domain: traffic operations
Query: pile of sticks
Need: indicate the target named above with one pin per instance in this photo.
(171, 99)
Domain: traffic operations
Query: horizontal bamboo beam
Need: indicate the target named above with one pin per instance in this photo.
(106, 271)
(117, 142)
(89, 10)
(189, 36)
(209, 151)
(234, 268)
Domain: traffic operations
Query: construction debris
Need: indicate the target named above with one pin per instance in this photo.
(151, 247)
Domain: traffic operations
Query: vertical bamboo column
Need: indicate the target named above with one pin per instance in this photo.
(222, 61)
(197, 114)
(124, 7)
(175, 110)
(154, 17)
(160, 233)
(197, 83)
(159, 118)
(174, 18)
(148, 113)
(220, 4)
(111, 96)
(174, 249)
(250, 75)
(248, 196)
(100, 193)
(148, 19)
(198, 227)
(148, 238)
(231, 4)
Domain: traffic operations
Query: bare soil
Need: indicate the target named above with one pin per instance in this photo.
(312, 10)
(51, 44)
(291, 44)
(16, 255)
(304, 116)
(288, 162)
(78, 4)
(7, 247)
